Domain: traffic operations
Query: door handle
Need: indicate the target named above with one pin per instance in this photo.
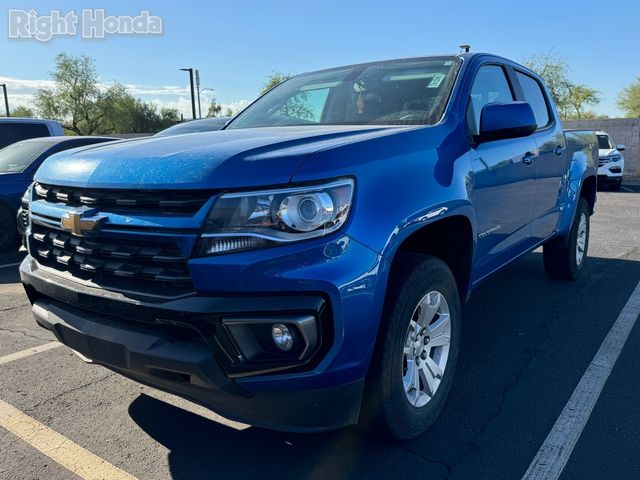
(528, 158)
(559, 150)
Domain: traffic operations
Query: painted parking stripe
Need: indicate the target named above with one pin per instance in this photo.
(556, 449)
(58, 448)
(11, 265)
(28, 352)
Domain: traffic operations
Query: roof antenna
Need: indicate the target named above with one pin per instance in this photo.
(465, 48)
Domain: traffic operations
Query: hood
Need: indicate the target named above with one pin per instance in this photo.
(212, 160)
(605, 152)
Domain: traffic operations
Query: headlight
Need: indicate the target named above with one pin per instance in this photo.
(614, 158)
(247, 220)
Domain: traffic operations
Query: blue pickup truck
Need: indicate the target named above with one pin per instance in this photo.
(303, 269)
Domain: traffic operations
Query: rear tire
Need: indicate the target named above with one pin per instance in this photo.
(563, 258)
(417, 350)
(8, 229)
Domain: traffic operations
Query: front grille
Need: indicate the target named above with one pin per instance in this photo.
(603, 161)
(23, 217)
(161, 202)
(111, 262)
(23, 221)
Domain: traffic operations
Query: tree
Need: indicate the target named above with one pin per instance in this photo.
(629, 99)
(571, 99)
(168, 117)
(22, 111)
(228, 112)
(133, 115)
(214, 108)
(78, 101)
(580, 97)
(275, 79)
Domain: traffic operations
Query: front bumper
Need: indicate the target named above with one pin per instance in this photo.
(163, 343)
(611, 171)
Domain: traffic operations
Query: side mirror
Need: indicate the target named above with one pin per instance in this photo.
(620, 148)
(499, 121)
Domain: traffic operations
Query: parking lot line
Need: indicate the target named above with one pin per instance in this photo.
(17, 264)
(557, 447)
(58, 448)
(28, 352)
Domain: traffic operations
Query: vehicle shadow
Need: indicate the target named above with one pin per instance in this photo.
(9, 261)
(203, 448)
(625, 188)
(526, 343)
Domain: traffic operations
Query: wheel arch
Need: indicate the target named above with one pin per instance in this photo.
(588, 190)
(451, 240)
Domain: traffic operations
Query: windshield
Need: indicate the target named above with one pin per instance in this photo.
(604, 142)
(399, 92)
(18, 156)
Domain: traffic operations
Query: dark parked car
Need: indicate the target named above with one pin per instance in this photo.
(18, 163)
(13, 130)
(195, 126)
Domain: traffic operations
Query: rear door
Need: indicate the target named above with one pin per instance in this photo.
(504, 178)
(551, 159)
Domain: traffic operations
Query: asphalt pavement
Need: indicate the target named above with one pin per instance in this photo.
(527, 341)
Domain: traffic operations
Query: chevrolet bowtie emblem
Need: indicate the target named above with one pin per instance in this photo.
(74, 223)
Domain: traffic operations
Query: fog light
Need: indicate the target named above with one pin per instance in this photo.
(282, 337)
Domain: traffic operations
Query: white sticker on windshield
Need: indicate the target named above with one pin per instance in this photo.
(436, 80)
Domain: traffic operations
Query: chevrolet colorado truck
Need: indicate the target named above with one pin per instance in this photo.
(303, 268)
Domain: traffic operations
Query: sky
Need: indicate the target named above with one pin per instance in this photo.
(236, 44)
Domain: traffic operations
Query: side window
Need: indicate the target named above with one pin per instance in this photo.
(534, 95)
(14, 132)
(489, 86)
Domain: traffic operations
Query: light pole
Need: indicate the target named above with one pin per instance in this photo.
(198, 90)
(202, 91)
(6, 99)
(193, 95)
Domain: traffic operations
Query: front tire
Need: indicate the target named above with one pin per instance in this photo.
(564, 259)
(417, 351)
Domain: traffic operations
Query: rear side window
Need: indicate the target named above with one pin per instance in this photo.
(14, 132)
(489, 86)
(534, 95)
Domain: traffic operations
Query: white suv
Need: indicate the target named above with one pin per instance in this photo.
(611, 161)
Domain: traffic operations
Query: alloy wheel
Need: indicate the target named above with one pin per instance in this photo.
(426, 349)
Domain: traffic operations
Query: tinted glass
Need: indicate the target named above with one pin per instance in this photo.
(534, 95)
(196, 126)
(604, 142)
(489, 86)
(18, 156)
(402, 92)
(14, 132)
